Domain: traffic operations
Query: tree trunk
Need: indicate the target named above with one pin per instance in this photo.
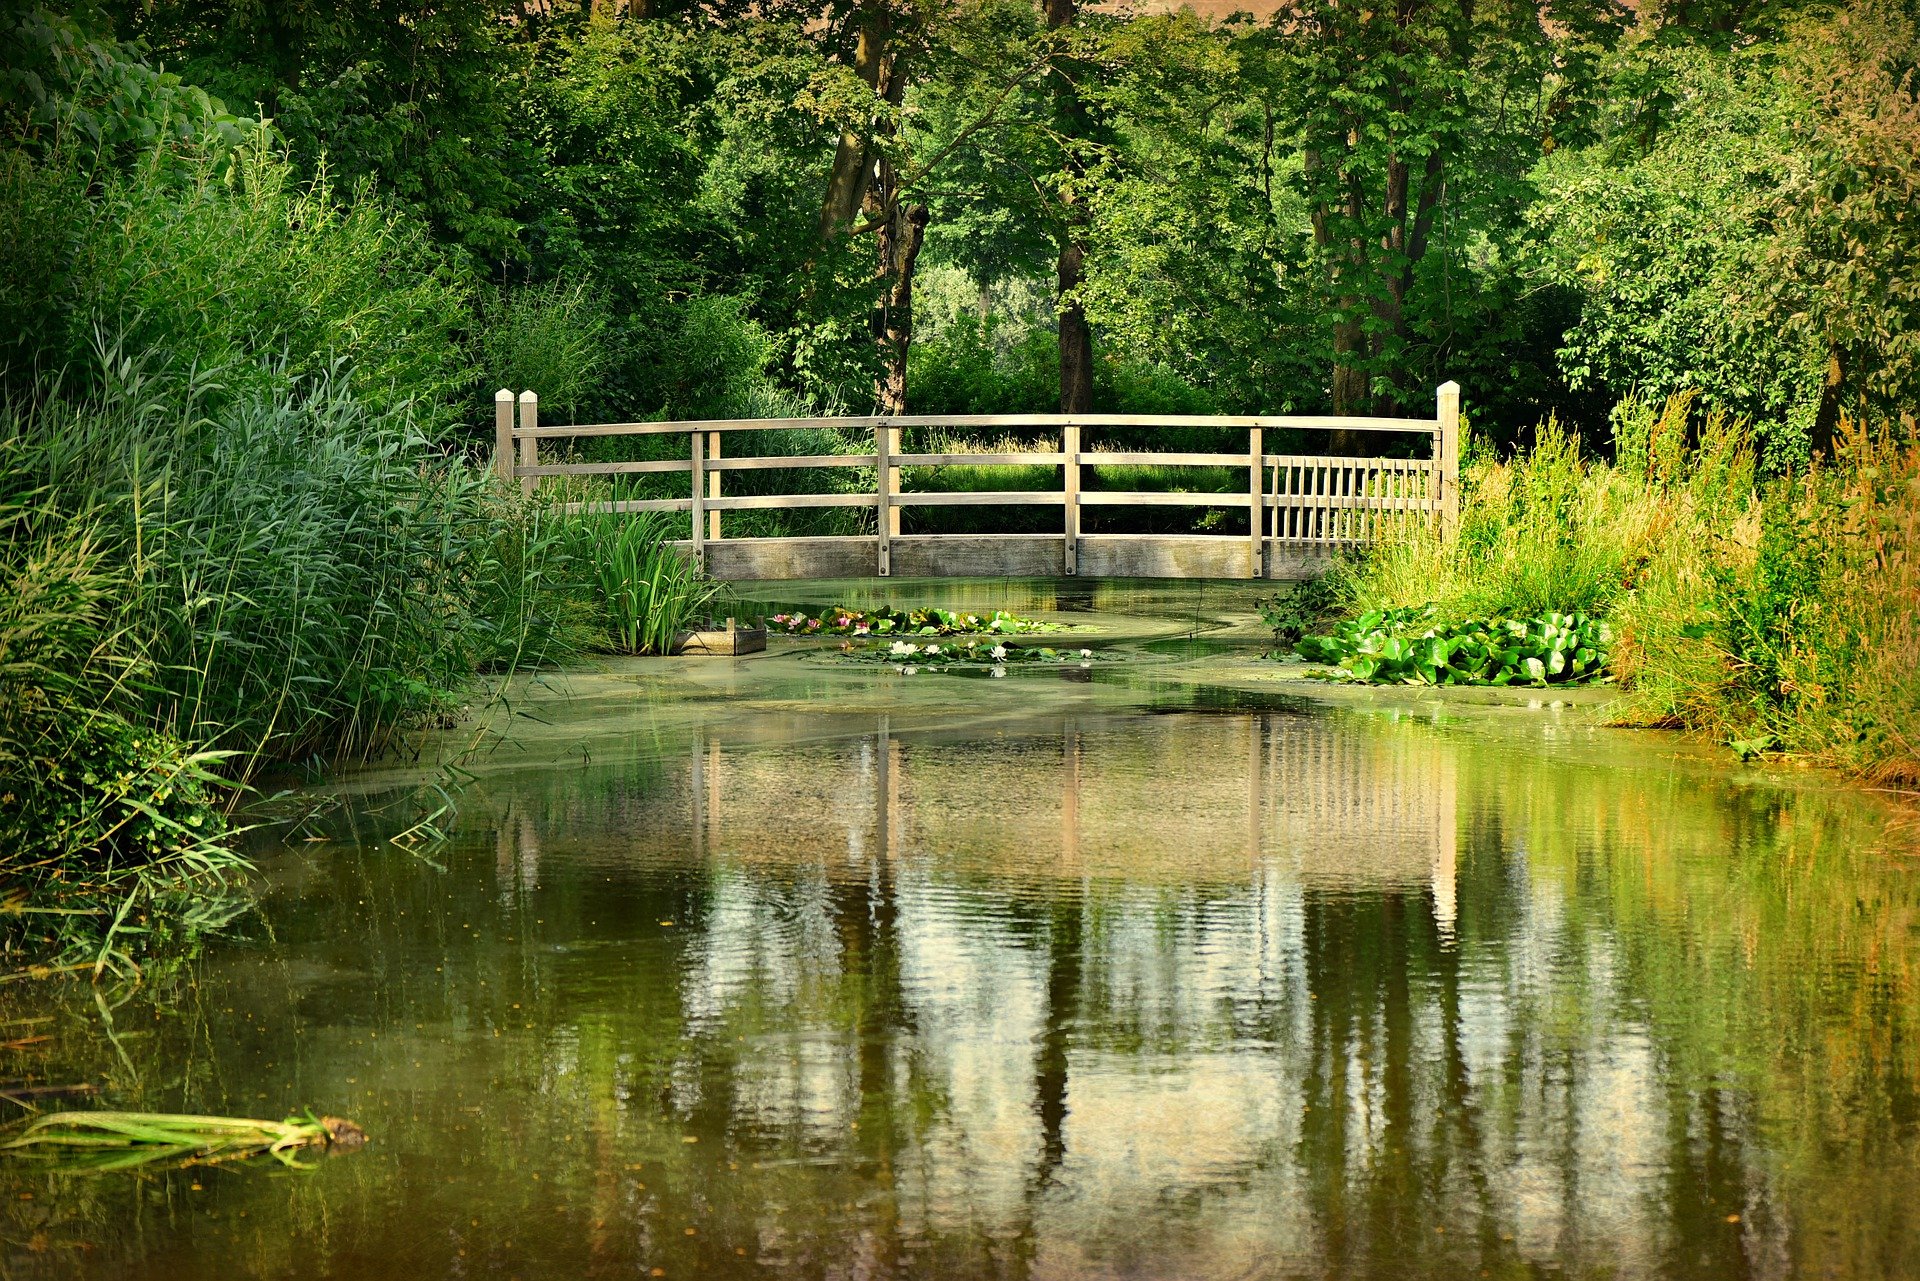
(852, 157)
(1076, 339)
(900, 231)
(900, 240)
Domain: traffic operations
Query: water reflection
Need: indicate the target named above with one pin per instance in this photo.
(1077, 995)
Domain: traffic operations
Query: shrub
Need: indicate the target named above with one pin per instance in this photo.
(649, 593)
(89, 801)
(550, 338)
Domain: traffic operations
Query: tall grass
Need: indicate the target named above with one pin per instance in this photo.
(649, 592)
(99, 815)
(1772, 614)
(1803, 632)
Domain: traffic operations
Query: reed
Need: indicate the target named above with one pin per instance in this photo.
(650, 595)
(120, 1140)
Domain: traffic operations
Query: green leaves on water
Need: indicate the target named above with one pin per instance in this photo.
(1415, 647)
(842, 621)
(116, 1140)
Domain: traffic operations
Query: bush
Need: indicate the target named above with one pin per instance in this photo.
(202, 264)
(1776, 615)
(89, 801)
(1551, 531)
(1801, 634)
(547, 338)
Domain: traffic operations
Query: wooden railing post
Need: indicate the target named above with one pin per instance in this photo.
(713, 486)
(887, 478)
(1256, 473)
(699, 530)
(1447, 410)
(1070, 486)
(893, 483)
(529, 447)
(503, 435)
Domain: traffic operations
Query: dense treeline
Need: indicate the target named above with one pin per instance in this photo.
(990, 205)
(265, 265)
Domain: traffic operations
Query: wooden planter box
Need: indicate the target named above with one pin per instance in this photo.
(728, 639)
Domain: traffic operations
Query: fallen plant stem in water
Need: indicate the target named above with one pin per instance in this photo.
(118, 1140)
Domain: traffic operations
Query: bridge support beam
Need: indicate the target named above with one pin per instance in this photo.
(529, 445)
(1070, 486)
(1447, 451)
(885, 515)
(1256, 504)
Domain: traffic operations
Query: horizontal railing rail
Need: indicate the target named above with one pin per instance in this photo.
(1296, 504)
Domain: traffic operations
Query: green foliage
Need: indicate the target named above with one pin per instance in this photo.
(548, 338)
(1804, 620)
(294, 578)
(1659, 239)
(649, 593)
(409, 96)
(1299, 610)
(200, 267)
(910, 659)
(841, 621)
(92, 805)
(1415, 647)
(58, 81)
(1840, 274)
(1553, 531)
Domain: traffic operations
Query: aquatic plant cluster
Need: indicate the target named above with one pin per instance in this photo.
(101, 1141)
(1416, 647)
(1773, 614)
(840, 621)
(910, 659)
(650, 594)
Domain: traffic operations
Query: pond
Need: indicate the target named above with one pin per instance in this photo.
(774, 966)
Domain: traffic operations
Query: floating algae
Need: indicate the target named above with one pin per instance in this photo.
(118, 1140)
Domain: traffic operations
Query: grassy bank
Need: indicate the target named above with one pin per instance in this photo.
(241, 523)
(1772, 613)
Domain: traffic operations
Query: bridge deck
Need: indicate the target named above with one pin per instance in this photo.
(1300, 509)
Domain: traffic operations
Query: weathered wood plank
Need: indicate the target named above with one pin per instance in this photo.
(606, 469)
(1115, 458)
(977, 555)
(1155, 498)
(629, 505)
(1047, 423)
(983, 498)
(796, 462)
(785, 502)
(1163, 556)
(739, 560)
(978, 460)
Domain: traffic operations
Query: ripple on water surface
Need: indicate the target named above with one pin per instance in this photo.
(1084, 992)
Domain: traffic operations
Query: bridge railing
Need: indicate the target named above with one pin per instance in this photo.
(1301, 508)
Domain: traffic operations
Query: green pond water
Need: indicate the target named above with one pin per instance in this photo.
(1162, 968)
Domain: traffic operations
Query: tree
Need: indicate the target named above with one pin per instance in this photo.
(417, 96)
(1417, 121)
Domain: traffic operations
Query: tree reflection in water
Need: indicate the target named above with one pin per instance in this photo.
(1099, 994)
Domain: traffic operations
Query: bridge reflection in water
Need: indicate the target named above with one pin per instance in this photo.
(1072, 995)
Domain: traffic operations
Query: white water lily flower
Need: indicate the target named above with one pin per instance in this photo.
(999, 652)
(1086, 653)
(901, 649)
(933, 649)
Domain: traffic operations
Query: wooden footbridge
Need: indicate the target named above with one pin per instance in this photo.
(1300, 508)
